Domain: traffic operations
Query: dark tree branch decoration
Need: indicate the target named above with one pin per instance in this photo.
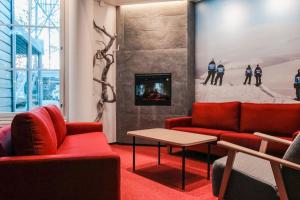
(103, 55)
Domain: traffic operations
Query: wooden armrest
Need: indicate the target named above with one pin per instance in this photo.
(237, 148)
(272, 138)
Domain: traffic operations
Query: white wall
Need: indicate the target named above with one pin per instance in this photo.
(79, 59)
(80, 91)
(105, 15)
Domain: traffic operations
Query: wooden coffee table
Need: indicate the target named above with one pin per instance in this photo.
(177, 138)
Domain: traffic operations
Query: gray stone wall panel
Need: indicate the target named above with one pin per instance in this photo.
(152, 39)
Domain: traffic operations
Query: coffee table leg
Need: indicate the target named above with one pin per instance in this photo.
(208, 161)
(159, 153)
(170, 150)
(133, 153)
(183, 167)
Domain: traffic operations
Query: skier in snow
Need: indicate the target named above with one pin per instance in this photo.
(211, 72)
(220, 73)
(258, 75)
(297, 85)
(248, 74)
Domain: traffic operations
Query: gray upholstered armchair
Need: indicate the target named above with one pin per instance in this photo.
(246, 174)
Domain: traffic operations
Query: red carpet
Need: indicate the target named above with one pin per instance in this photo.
(153, 182)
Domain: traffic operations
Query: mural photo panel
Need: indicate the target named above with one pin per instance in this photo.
(248, 51)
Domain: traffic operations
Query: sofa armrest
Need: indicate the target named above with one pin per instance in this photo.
(60, 177)
(296, 134)
(237, 148)
(179, 121)
(270, 138)
(83, 127)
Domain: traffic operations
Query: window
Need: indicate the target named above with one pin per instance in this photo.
(29, 54)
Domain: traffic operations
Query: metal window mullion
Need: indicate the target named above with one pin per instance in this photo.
(36, 20)
(27, 26)
(62, 58)
(29, 61)
(14, 46)
(40, 86)
(40, 80)
(49, 43)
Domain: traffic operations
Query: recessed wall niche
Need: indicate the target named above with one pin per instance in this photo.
(153, 89)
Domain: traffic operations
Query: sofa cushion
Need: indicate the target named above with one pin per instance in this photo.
(94, 142)
(204, 131)
(222, 116)
(5, 141)
(273, 119)
(252, 141)
(33, 133)
(291, 177)
(251, 178)
(58, 121)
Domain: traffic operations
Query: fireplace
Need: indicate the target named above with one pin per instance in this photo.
(153, 89)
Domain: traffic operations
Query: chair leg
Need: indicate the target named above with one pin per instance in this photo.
(279, 181)
(226, 174)
(170, 149)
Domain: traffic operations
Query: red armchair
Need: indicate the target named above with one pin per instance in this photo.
(82, 167)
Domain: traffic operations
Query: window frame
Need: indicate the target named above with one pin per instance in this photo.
(8, 116)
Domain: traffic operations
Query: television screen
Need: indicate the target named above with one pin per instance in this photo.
(153, 89)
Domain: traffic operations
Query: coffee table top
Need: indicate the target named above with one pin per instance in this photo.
(178, 138)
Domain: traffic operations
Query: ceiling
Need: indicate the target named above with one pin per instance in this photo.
(126, 2)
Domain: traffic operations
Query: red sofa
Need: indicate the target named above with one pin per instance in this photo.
(42, 157)
(236, 122)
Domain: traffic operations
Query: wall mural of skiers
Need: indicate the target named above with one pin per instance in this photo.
(297, 85)
(248, 51)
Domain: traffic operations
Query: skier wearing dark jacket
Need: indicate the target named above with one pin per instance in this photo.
(211, 72)
(248, 74)
(258, 75)
(297, 85)
(220, 73)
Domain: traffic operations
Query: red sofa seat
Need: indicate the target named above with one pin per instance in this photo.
(78, 164)
(205, 131)
(236, 122)
(84, 144)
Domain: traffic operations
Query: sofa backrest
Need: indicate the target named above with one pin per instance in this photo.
(5, 141)
(58, 121)
(33, 133)
(222, 116)
(273, 119)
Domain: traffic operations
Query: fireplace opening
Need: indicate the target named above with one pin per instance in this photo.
(153, 89)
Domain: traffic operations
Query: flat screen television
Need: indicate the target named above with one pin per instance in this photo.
(153, 89)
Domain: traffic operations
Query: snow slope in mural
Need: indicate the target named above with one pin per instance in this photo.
(238, 33)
